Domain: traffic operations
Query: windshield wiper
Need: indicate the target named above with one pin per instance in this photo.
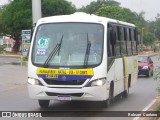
(53, 53)
(87, 52)
(60, 45)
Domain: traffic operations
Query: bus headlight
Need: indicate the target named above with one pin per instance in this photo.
(33, 81)
(98, 82)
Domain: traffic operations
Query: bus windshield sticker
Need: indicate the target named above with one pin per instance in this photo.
(43, 43)
(41, 51)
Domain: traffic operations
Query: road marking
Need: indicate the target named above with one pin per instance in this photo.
(146, 108)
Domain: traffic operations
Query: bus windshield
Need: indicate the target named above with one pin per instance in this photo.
(68, 45)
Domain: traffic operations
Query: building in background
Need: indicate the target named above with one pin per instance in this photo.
(1, 40)
(8, 43)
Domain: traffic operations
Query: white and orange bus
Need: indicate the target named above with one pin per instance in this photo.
(64, 64)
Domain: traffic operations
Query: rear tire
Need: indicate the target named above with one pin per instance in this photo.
(125, 94)
(43, 103)
(149, 73)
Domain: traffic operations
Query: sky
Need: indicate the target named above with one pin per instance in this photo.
(150, 7)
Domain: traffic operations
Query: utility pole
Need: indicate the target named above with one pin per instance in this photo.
(154, 33)
(36, 10)
(142, 40)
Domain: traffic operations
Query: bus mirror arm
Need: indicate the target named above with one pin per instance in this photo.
(32, 30)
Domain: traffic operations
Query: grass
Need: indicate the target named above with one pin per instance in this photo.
(24, 58)
(158, 106)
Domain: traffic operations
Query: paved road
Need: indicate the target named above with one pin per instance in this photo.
(12, 73)
(17, 99)
(141, 95)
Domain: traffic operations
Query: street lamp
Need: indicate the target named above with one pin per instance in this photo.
(142, 40)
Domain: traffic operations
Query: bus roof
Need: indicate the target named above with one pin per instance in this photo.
(81, 17)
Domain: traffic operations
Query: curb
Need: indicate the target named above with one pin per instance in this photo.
(14, 56)
(22, 63)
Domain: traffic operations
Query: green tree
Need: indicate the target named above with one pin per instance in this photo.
(140, 22)
(0, 20)
(116, 12)
(123, 14)
(2, 8)
(150, 31)
(157, 26)
(148, 39)
(126, 15)
(57, 7)
(93, 7)
(17, 15)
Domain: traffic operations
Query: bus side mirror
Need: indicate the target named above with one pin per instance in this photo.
(32, 30)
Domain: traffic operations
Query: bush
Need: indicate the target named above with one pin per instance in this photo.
(158, 109)
(1, 48)
(25, 58)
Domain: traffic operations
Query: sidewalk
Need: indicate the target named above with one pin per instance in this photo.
(150, 53)
(13, 76)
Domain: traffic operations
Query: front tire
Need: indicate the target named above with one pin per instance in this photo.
(43, 103)
(109, 101)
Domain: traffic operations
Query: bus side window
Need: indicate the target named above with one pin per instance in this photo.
(123, 42)
(129, 42)
(110, 41)
(134, 42)
(118, 43)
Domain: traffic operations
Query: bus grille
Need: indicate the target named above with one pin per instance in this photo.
(69, 94)
(56, 82)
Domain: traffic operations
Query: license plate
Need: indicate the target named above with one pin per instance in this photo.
(64, 98)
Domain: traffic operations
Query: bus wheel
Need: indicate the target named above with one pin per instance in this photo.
(109, 101)
(43, 103)
(125, 94)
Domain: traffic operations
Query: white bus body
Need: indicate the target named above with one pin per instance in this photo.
(58, 71)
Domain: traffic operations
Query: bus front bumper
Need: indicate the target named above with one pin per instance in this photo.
(94, 93)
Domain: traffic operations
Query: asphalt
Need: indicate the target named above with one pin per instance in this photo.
(14, 74)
